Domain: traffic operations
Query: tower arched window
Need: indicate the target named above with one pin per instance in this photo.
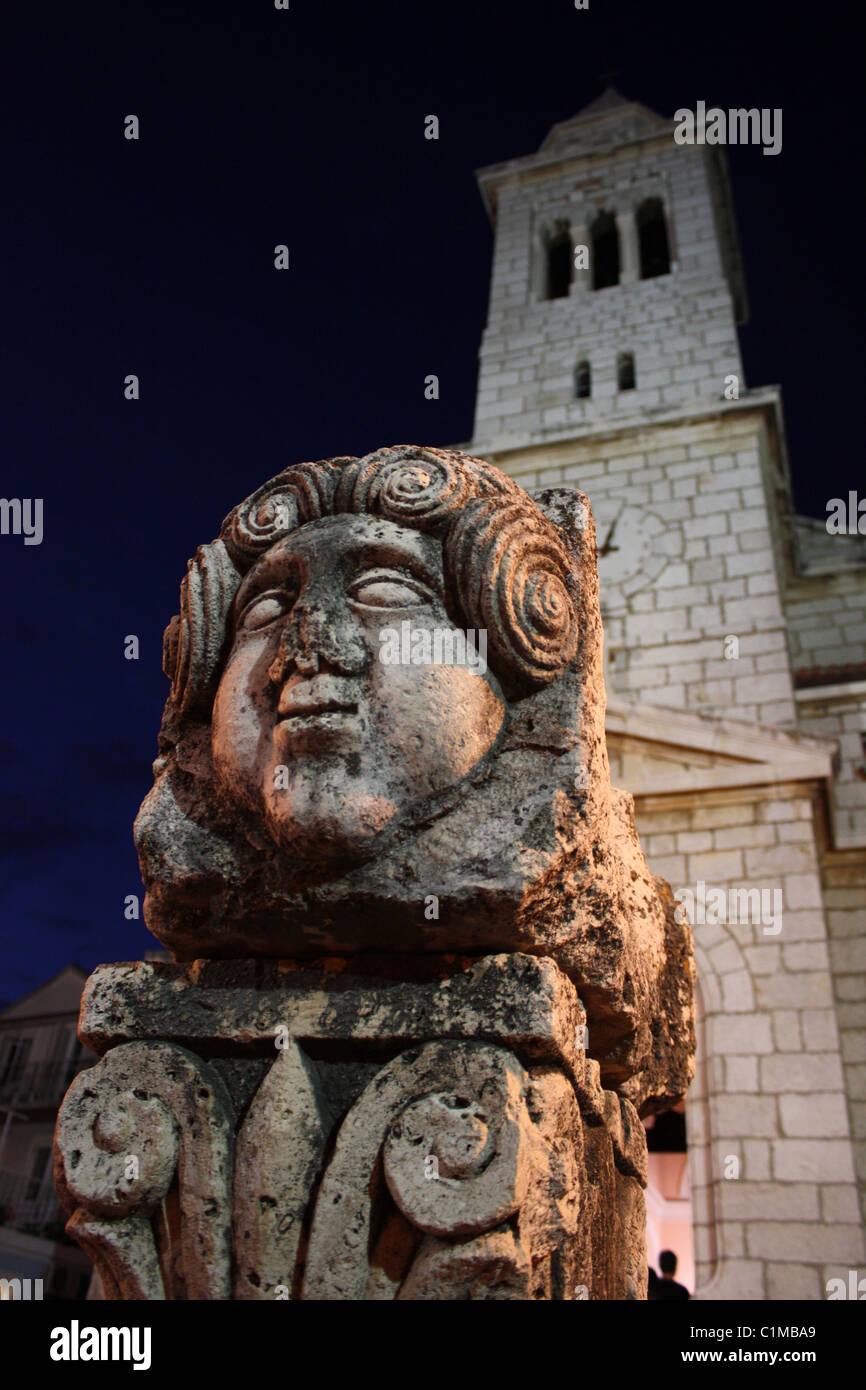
(625, 374)
(655, 256)
(559, 263)
(605, 251)
(582, 380)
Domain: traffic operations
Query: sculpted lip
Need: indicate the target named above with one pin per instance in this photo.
(318, 695)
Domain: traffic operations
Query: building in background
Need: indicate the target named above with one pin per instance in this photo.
(736, 666)
(39, 1056)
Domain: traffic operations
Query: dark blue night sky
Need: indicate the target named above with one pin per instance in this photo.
(306, 127)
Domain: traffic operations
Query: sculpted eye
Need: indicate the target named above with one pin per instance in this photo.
(387, 589)
(265, 609)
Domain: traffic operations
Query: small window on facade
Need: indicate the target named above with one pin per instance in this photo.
(625, 377)
(652, 232)
(605, 251)
(582, 381)
(559, 264)
(38, 1169)
(13, 1057)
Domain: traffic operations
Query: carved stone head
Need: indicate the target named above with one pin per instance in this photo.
(385, 734)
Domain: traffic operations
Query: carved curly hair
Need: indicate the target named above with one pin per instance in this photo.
(507, 569)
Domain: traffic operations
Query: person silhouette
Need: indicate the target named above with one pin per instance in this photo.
(667, 1288)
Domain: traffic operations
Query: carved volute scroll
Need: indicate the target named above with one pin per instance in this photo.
(451, 1127)
(146, 1113)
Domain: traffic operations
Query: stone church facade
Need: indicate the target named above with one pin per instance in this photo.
(736, 659)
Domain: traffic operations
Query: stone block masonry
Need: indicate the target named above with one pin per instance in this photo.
(779, 1060)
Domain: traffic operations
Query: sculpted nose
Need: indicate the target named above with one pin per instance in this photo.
(318, 633)
(309, 632)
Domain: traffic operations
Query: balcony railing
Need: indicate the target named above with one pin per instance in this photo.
(28, 1204)
(41, 1083)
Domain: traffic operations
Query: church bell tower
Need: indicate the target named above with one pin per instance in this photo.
(736, 675)
(610, 360)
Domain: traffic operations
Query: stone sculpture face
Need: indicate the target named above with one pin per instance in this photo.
(312, 788)
(293, 726)
(312, 729)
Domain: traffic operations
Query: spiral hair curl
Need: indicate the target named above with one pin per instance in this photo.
(505, 563)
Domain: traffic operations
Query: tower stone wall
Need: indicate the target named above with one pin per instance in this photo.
(735, 667)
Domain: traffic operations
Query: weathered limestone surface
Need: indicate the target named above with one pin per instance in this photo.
(489, 1163)
(425, 982)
